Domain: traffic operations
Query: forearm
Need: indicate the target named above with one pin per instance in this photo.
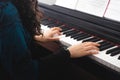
(60, 57)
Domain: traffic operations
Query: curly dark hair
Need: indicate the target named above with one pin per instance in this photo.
(30, 15)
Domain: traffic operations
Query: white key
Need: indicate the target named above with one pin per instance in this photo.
(67, 41)
(103, 58)
(107, 60)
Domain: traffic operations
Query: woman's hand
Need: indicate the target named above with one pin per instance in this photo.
(49, 35)
(83, 49)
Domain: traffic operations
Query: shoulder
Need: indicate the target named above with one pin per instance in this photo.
(7, 7)
(8, 13)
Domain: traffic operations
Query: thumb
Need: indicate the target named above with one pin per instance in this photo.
(54, 39)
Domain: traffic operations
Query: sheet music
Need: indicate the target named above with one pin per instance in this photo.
(113, 11)
(94, 7)
(67, 3)
(49, 2)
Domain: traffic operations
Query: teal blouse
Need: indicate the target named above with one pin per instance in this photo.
(15, 56)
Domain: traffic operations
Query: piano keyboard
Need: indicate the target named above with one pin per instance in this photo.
(109, 54)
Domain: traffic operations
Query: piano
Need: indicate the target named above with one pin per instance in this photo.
(78, 27)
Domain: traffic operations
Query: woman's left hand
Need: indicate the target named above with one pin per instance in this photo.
(49, 35)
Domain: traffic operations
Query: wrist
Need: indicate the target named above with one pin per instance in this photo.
(67, 51)
(40, 38)
(71, 51)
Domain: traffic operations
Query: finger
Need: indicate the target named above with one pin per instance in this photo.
(92, 52)
(54, 39)
(91, 43)
(56, 28)
(92, 48)
(56, 32)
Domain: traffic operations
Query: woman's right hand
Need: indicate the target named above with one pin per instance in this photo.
(83, 49)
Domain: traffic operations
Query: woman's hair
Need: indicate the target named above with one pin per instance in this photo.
(30, 15)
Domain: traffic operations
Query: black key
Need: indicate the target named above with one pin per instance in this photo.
(79, 35)
(83, 37)
(112, 50)
(71, 32)
(102, 44)
(47, 22)
(67, 31)
(106, 47)
(92, 39)
(52, 25)
(119, 58)
(115, 53)
(44, 22)
(61, 25)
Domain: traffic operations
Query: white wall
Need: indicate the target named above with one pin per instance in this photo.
(50, 2)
